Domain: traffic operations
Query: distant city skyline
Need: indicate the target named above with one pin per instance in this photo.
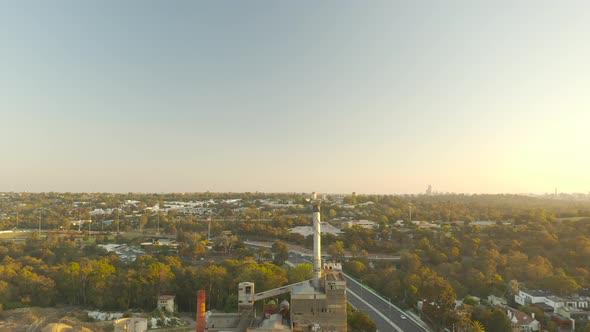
(331, 96)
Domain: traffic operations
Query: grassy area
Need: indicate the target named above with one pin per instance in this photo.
(87, 240)
(16, 235)
(574, 219)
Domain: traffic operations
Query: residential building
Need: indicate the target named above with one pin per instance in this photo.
(363, 223)
(554, 302)
(578, 302)
(527, 297)
(521, 322)
(574, 316)
(496, 301)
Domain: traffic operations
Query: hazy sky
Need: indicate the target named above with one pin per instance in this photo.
(327, 96)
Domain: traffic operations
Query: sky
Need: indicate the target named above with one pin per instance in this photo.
(381, 97)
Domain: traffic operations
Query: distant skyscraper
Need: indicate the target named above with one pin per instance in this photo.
(429, 190)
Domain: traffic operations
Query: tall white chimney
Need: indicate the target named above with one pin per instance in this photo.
(317, 245)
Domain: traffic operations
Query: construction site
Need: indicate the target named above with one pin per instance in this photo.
(316, 305)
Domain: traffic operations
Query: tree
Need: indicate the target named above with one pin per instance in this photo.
(228, 241)
(281, 253)
(336, 250)
(586, 327)
(332, 213)
(356, 268)
(410, 262)
(439, 296)
(211, 279)
(97, 278)
(561, 284)
(193, 251)
(299, 273)
(263, 254)
(358, 321)
(265, 276)
(498, 321)
(478, 326)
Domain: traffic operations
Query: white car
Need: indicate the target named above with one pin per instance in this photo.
(403, 317)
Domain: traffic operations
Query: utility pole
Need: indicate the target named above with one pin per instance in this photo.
(410, 212)
(209, 230)
(117, 220)
(158, 229)
(39, 225)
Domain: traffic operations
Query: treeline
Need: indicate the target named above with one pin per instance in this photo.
(250, 217)
(61, 271)
(441, 265)
(501, 207)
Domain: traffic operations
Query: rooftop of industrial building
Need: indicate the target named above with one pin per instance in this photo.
(305, 288)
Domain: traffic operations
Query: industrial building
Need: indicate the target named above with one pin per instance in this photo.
(132, 324)
(316, 305)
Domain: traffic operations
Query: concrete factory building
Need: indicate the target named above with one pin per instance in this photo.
(132, 324)
(166, 303)
(317, 305)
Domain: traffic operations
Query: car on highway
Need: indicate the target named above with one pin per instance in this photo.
(403, 317)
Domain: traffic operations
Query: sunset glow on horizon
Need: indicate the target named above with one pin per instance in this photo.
(335, 96)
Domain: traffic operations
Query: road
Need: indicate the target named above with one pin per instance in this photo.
(308, 252)
(387, 317)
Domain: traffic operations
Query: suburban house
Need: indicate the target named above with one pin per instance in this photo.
(521, 322)
(526, 297)
(580, 302)
(496, 301)
(554, 301)
(367, 224)
(570, 316)
(577, 302)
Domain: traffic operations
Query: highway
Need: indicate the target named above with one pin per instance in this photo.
(386, 316)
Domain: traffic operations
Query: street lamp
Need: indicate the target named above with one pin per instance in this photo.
(208, 230)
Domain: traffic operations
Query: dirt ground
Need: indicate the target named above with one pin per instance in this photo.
(20, 319)
(50, 320)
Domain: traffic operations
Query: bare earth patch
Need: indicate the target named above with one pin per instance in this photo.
(24, 319)
(18, 320)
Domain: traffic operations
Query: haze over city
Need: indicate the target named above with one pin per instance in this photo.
(336, 96)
